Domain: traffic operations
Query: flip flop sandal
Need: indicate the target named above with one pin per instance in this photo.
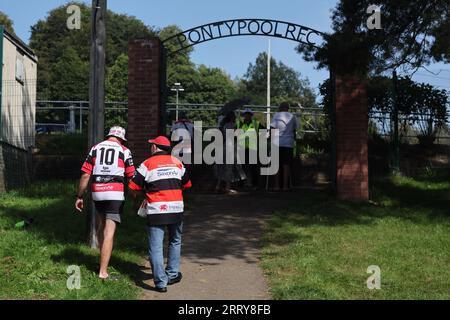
(111, 277)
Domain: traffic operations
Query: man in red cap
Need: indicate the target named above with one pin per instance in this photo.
(162, 179)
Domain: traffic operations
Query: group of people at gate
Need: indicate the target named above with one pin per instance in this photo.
(160, 181)
(246, 173)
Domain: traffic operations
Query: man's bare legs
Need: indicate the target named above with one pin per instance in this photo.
(106, 240)
(100, 226)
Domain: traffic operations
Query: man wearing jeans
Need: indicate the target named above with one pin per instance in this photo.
(162, 178)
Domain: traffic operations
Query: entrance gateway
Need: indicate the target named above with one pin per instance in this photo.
(245, 27)
(147, 94)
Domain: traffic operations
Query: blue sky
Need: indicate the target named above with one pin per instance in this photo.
(232, 54)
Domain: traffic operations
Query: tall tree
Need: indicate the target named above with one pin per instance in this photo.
(116, 82)
(182, 57)
(286, 84)
(6, 22)
(202, 84)
(412, 32)
(116, 87)
(70, 77)
(50, 38)
(441, 46)
(180, 68)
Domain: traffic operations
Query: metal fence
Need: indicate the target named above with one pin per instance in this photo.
(72, 116)
(61, 132)
(411, 126)
(311, 119)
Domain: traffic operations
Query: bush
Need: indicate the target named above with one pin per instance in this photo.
(62, 144)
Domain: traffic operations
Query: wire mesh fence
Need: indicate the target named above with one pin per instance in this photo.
(72, 116)
(59, 137)
(17, 132)
(18, 99)
(414, 128)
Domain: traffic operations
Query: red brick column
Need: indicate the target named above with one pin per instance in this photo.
(144, 94)
(351, 138)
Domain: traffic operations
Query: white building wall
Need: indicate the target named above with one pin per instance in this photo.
(18, 107)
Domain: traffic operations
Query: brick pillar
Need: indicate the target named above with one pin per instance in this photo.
(352, 177)
(144, 95)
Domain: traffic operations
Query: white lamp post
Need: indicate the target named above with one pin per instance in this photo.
(177, 88)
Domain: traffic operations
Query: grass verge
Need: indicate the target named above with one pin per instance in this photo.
(34, 261)
(321, 248)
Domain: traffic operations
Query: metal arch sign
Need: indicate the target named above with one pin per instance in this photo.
(245, 27)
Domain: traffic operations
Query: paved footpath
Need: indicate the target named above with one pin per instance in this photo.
(221, 248)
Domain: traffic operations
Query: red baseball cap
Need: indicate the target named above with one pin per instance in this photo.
(160, 141)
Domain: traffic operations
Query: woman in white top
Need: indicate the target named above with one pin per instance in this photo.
(287, 125)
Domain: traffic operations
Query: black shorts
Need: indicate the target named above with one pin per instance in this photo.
(110, 209)
(286, 155)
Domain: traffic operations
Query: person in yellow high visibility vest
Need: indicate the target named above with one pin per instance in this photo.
(249, 141)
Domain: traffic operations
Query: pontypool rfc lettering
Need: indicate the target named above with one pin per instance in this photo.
(245, 27)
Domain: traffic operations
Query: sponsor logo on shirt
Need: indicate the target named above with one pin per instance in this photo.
(100, 179)
(167, 172)
(103, 187)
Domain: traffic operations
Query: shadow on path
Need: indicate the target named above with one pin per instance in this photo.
(221, 247)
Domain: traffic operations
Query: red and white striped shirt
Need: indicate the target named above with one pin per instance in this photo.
(163, 178)
(109, 163)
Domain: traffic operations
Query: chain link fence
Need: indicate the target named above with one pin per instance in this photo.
(422, 144)
(58, 142)
(61, 136)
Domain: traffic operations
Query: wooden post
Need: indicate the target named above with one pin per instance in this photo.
(96, 95)
(395, 157)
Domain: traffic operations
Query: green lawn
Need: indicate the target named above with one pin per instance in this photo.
(321, 248)
(33, 262)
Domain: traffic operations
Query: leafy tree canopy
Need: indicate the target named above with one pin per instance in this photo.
(116, 82)
(286, 84)
(411, 34)
(71, 85)
(6, 22)
(50, 39)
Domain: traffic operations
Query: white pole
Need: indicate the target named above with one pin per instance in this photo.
(268, 103)
(268, 86)
(176, 114)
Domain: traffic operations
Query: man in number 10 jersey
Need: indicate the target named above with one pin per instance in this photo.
(108, 165)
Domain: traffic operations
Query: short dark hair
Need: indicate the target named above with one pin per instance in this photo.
(284, 106)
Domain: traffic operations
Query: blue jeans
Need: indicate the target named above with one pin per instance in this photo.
(156, 241)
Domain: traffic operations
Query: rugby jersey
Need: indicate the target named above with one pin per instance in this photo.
(162, 177)
(109, 163)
